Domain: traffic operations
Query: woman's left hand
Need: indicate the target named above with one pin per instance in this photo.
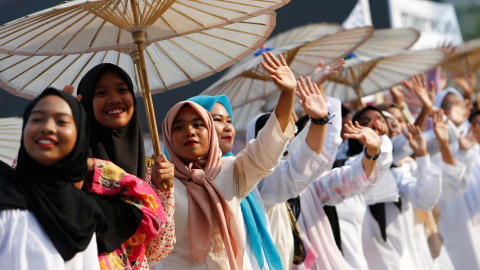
(163, 171)
(279, 71)
(311, 98)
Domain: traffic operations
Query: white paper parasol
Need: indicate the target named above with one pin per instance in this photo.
(10, 136)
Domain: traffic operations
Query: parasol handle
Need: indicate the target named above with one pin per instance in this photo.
(139, 37)
(359, 97)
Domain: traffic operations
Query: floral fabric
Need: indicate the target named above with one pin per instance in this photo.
(111, 180)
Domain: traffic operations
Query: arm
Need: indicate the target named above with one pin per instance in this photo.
(110, 180)
(283, 77)
(290, 177)
(424, 189)
(418, 96)
(334, 186)
(261, 155)
(162, 245)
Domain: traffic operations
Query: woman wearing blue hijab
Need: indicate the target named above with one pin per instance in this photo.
(259, 240)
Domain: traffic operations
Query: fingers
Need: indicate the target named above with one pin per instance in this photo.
(160, 158)
(270, 60)
(282, 60)
(69, 89)
(424, 80)
(311, 89)
(267, 68)
(320, 65)
(79, 98)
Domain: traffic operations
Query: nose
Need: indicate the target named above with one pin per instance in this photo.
(228, 127)
(49, 126)
(114, 97)
(189, 131)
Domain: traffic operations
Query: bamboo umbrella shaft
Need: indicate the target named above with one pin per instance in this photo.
(359, 97)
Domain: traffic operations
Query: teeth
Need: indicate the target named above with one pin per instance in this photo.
(115, 111)
(45, 142)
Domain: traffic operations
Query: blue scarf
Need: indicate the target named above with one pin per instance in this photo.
(256, 225)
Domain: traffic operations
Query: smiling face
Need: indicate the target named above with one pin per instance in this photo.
(455, 108)
(398, 114)
(223, 127)
(50, 132)
(112, 101)
(189, 134)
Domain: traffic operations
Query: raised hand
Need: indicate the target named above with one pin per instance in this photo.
(416, 140)
(311, 98)
(467, 141)
(69, 89)
(417, 93)
(162, 172)
(440, 126)
(378, 126)
(397, 94)
(321, 73)
(365, 135)
(468, 84)
(279, 71)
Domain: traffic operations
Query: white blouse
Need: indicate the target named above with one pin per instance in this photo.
(24, 245)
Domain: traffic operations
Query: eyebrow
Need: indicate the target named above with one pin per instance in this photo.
(43, 112)
(219, 114)
(193, 120)
(103, 85)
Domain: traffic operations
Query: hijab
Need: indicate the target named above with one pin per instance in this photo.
(442, 94)
(123, 146)
(68, 216)
(253, 215)
(203, 193)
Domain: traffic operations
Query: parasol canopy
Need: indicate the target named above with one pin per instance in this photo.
(246, 81)
(170, 63)
(366, 75)
(465, 57)
(388, 40)
(84, 26)
(382, 41)
(10, 136)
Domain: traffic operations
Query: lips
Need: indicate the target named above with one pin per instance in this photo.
(46, 142)
(190, 143)
(228, 138)
(115, 111)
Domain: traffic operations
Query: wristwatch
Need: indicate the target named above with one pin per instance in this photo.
(371, 157)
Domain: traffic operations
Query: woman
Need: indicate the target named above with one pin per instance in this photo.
(205, 180)
(260, 251)
(106, 93)
(45, 222)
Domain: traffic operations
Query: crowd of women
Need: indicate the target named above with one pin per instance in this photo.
(371, 189)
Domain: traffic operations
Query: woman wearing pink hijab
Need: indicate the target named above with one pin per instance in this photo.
(209, 187)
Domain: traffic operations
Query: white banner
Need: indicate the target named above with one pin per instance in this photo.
(360, 15)
(437, 22)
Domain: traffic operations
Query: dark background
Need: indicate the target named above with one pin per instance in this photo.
(296, 13)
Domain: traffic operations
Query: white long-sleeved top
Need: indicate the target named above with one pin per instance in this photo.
(459, 227)
(24, 245)
(237, 177)
(351, 212)
(293, 175)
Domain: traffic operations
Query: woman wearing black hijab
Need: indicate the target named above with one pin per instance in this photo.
(116, 135)
(45, 222)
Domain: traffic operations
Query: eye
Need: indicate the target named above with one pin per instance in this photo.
(179, 127)
(100, 93)
(123, 90)
(217, 119)
(198, 125)
(35, 119)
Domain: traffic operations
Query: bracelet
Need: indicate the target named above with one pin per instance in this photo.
(370, 157)
(322, 121)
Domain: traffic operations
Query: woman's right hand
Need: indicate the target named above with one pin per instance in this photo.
(416, 140)
(279, 71)
(440, 126)
(365, 135)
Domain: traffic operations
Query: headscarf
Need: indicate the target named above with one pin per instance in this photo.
(255, 222)
(123, 146)
(442, 94)
(68, 215)
(354, 146)
(203, 193)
